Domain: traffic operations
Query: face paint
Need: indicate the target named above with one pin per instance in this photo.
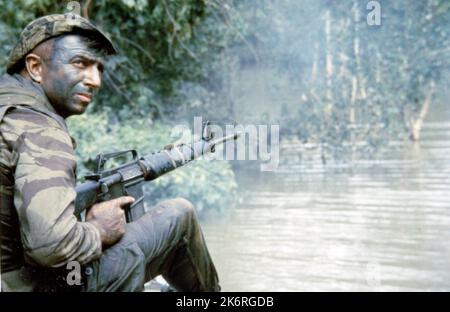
(71, 74)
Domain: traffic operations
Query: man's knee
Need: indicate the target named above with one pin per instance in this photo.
(180, 208)
(179, 216)
(184, 205)
(184, 209)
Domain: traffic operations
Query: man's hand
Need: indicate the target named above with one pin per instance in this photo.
(109, 218)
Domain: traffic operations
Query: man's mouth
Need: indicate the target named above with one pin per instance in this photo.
(84, 97)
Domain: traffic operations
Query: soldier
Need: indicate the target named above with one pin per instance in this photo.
(51, 74)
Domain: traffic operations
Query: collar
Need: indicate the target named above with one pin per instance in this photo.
(36, 91)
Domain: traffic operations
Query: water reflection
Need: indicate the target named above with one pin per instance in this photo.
(376, 225)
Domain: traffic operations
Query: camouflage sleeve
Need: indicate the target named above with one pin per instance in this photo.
(45, 191)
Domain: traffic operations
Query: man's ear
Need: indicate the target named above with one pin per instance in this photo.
(33, 65)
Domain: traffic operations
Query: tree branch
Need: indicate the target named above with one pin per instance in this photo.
(175, 34)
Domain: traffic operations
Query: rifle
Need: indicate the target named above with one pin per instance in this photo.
(127, 179)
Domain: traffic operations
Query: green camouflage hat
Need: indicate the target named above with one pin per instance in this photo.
(50, 26)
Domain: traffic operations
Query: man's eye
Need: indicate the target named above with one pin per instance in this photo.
(79, 63)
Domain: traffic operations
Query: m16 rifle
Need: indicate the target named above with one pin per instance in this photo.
(127, 179)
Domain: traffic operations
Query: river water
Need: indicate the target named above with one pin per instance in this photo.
(375, 225)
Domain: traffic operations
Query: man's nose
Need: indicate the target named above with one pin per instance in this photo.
(93, 77)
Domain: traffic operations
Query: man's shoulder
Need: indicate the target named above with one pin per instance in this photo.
(7, 80)
(13, 91)
(32, 133)
(18, 92)
(23, 118)
(38, 127)
(17, 102)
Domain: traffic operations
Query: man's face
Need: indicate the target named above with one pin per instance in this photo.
(71, 74)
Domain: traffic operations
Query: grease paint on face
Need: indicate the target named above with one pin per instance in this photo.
(71, 74)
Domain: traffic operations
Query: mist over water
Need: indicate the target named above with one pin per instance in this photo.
(356, 221)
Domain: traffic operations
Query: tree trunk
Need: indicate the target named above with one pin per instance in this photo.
(416, 123)
(329, 56)
(357, 51)
(315, 63)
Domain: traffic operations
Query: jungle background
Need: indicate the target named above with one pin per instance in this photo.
(357, 105)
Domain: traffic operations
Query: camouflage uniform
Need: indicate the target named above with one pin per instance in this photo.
(34, 141)
(39, 232)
